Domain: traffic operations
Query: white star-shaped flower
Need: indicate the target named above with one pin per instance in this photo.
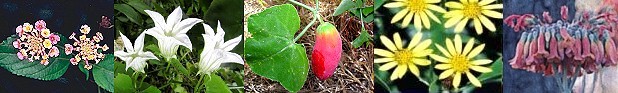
(172, 33)
(217, 51)
(134, 56)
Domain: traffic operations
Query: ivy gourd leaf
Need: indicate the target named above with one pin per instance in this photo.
(270, 51)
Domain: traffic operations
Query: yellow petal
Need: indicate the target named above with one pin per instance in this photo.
(432, 16)
(492, 14)
(422, 46)
(383, 60)
(468, 46)
(387, 42)
(453, 13)
(481, 62)
(436, 8)
(388, 66)
(425, 20)
(394, 4)
(407, 19)
(443, 66)
(417, 22)
(487, 23)
(457, 80)
(394, 76)
(446, 73)
(493, 6)
(450, 47)
(443, 51)
(473, 79)
(455, 5)
(476, 51)
(415, 39)
(432, 1)
(453, 20)
(457, 42)
(478, 26)
(397, 40)
(382, 52)
(480, 69)
(485, 2)
(401, 70)
(400, 15)
(461, 25)
(413, 69)
(422, 62)
(439, 58)
(423, 53)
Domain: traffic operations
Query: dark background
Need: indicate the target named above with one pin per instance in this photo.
(61, 16)
(520, 81)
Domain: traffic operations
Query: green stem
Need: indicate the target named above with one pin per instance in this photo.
(316, 16)
(198, 85)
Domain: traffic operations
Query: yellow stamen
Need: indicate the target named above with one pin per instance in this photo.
(403, 56)
(416, 5)
(471, 9)
(460, 63)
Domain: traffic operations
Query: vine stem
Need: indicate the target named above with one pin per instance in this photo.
(316, 16)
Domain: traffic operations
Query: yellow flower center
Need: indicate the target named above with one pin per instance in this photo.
(416, 5)
(460, 63)
(403, 56)
(472, 9)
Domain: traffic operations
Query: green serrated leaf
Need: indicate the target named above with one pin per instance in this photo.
(270, 51)
(214, 84)
(345, 5)
(103, 73)
(57, 66)
(129, 12)
(124, 84)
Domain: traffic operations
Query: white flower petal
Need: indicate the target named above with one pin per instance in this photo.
(230, 44)
(229, 57)
(183, 40)
(156, 18)
(139, 42)
(185, 25)
(209, 31)
(124, 56)
(174, 18)
(126, 42)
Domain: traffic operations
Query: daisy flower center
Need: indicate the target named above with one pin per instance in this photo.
(416, 5)
(460, 63)
(403, 56)
(471, 9)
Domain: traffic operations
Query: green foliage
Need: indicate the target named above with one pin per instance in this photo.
(103, 74)
(271, 50)
(359, 10)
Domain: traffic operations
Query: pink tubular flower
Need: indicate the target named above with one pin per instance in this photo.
(17, 44)
(54, 52)
(40, 25)
(54, 38)
(19, 30)
(74, 61)
(68, 48)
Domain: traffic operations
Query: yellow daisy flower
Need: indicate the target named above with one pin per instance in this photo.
(472, 9)
(457, 61)
(419, 9)
(415, 54)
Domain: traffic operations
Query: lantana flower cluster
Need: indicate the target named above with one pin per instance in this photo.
(36, 42)
(588, 42)
(86, 49)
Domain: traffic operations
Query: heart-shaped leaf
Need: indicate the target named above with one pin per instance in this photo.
(270, 51)
(57, 66)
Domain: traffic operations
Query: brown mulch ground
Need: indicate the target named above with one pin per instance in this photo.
(355, 71)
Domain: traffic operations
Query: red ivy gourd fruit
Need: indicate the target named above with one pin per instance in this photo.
(326, 51)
